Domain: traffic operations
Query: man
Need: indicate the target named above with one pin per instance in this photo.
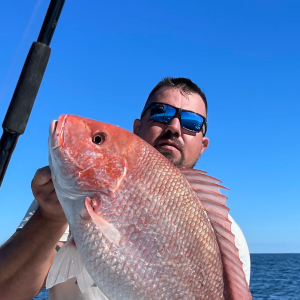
(181, 146)
(174, 122)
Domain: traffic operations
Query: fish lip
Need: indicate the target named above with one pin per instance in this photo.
(52, 130)
(169, 143)
(53, 126)
(56, 132)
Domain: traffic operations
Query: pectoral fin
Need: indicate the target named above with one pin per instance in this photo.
(108, 230)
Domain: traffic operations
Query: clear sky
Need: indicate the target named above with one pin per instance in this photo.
(108, 55)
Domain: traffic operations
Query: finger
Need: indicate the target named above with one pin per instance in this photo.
(53, 195)
(42, 176)
(46, 188)
(46, 199)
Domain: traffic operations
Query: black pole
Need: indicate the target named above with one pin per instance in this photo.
(28, 85)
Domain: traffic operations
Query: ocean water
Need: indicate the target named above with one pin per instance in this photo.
(273, 277)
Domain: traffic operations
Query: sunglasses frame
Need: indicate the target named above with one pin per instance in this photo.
(178, 114)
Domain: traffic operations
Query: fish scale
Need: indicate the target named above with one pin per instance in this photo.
(139, 227)
(161, 208)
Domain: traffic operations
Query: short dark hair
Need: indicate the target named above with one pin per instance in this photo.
(184, 84)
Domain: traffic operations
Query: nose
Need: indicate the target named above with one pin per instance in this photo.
(175, 127)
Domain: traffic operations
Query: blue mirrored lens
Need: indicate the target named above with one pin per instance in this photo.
(191, 121)
(162, 113)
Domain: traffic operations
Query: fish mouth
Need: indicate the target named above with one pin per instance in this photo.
(56, 132)
(53, 126)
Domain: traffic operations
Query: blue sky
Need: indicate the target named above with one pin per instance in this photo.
(108, 55)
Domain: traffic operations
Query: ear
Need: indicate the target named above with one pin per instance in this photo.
(136, 126)
(205, 142)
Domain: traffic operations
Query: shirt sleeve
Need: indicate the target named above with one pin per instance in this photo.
(241, 244)
(31, 210)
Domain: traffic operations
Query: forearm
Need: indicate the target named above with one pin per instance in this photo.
(26, 259)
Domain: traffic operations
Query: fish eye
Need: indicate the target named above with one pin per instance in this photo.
(99, 138)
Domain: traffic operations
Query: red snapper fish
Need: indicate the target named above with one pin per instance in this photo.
(141, 228)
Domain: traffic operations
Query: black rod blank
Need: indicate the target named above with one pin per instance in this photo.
(50, 21)
(8, 143)
(28, 85)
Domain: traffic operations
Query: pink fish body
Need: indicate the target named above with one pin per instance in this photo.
(141, 230)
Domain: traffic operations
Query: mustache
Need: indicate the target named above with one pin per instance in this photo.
(170, 136)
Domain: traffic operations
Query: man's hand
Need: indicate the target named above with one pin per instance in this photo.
(26, 257)
(44, 193)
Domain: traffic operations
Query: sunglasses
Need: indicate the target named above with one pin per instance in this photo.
(165, 113)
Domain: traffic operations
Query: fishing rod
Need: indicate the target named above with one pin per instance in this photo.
(28, 85)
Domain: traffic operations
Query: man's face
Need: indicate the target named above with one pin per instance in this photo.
(180, 146)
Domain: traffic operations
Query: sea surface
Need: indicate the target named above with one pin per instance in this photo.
(273, 277)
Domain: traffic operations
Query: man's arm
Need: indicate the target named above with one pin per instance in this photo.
(26, 257)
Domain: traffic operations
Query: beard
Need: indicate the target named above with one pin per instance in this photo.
(169, 154)
(176, 161)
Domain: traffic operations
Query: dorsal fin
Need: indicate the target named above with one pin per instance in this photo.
(208, 190)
